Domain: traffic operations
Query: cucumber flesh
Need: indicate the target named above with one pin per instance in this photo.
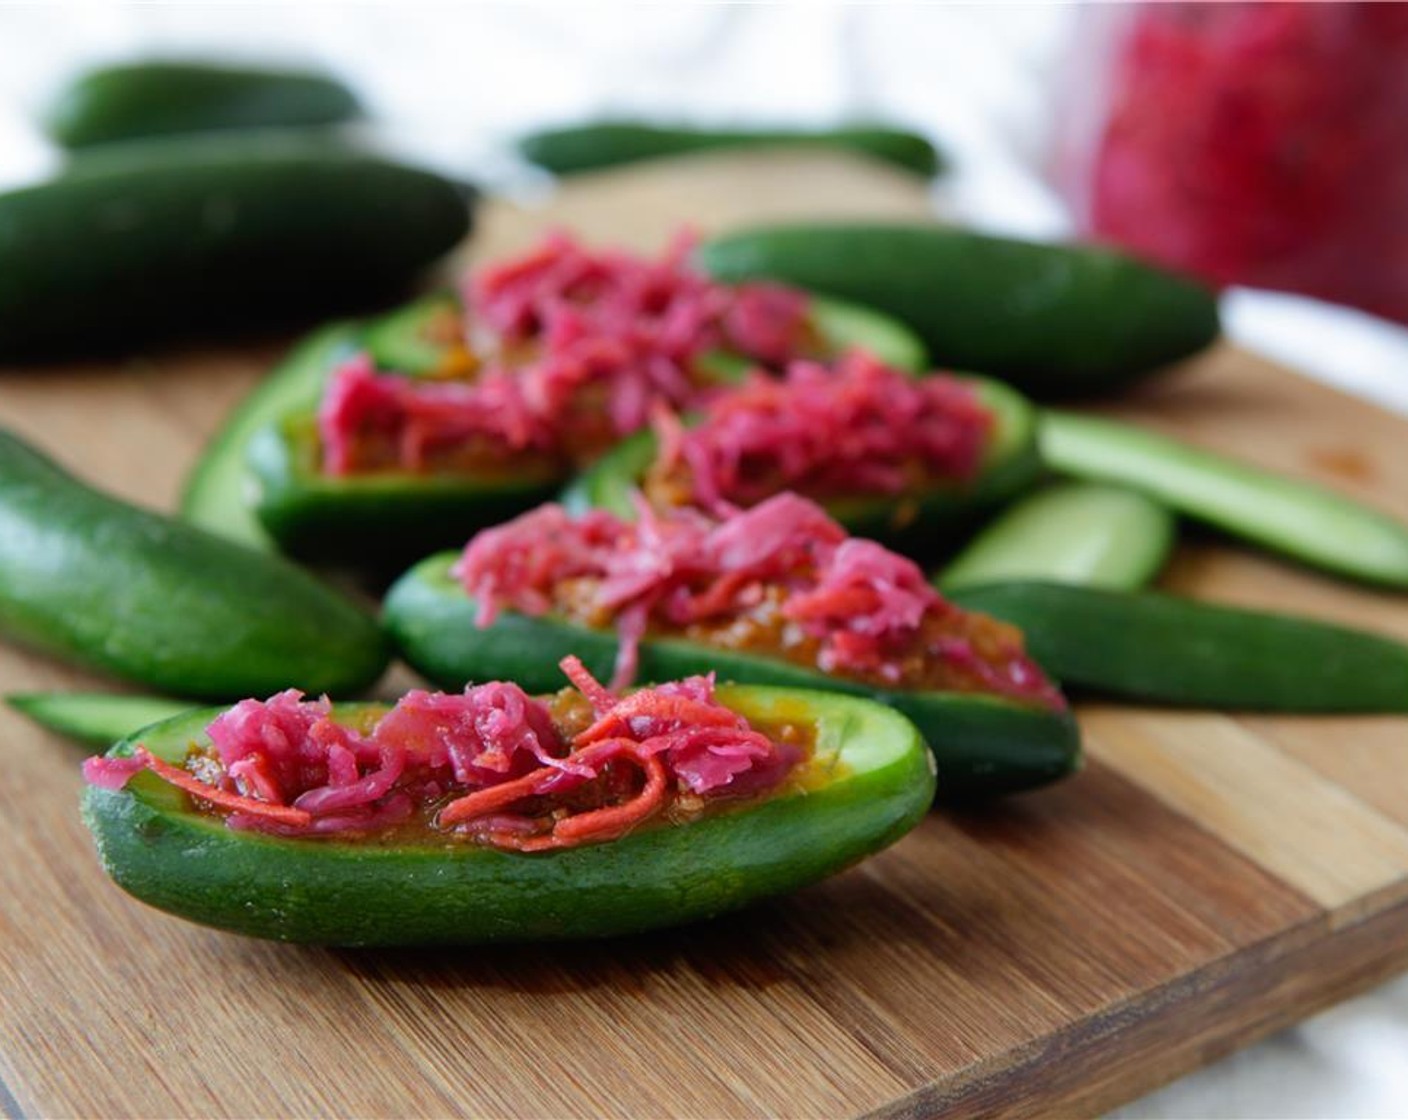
(98, 719)
(1308, 523)
(403, 341)
(1096, 536)
(1169, 650)
(219, 493)
(849, 326)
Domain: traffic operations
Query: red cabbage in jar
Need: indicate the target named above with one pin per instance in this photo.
(1255, 144)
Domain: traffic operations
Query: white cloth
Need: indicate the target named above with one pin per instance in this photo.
(451, 83)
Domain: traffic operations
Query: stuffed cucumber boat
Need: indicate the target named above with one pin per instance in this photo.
(890, 456)
(492, 815)
(777, 594)
(425, 338)
(565, 352)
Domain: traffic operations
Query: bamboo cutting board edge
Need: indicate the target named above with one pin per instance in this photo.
(1308, 969)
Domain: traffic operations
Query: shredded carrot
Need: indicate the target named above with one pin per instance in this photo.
(185, 780)
(649, 704)
(484, 801)
(594, 825)
(487, 800)
(616, 820)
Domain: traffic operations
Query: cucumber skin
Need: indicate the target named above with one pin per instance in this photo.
(984, 747)
(589, 147)
(1308, 523)
(218, 492)
(1013, 465)
(1123, 549)
(137, 100)
(1152, 647)
(168, 238)
(382, 521)
(1054, 320)
(121, 590)
(98, 719)
(329, 892)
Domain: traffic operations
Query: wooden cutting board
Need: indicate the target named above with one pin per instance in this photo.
(1206, 880)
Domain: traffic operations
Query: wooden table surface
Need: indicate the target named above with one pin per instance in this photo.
(1207, 879)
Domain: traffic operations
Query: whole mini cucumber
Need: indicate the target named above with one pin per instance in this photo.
(118, 589)
(1170, 650)
(1055, 320)
(1095, 536)
(1308, 523)
(160, 97)
(155, 238)
(588, 147)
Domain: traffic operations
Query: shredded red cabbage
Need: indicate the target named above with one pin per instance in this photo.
(857, 428)
(369, 420)
(668, 308)
(570, 336)
(870, 611)
(285, 766)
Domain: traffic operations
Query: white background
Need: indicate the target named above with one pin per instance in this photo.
(448, 84)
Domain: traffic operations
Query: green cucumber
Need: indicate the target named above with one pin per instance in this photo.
(408, 339)
(405, 340)
(366, 892)
(382, 520)
(1169, 650)
(99, 719)
(841, 326)
(218, 495)
(163, 238)
(911, 523)
(984, 745)
(121, 590)
(1096, 536)
(1308, 523)
(588, 147)
(1055, 320)
(161, 97)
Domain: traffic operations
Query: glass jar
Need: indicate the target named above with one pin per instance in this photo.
(1263, 144)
